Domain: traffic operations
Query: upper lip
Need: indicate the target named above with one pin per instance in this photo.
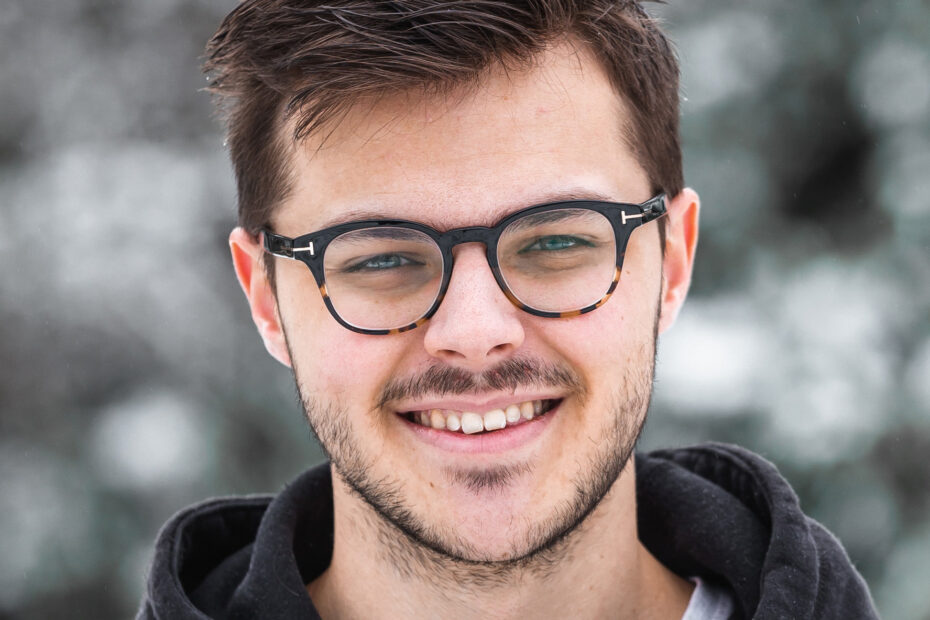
(476, 406)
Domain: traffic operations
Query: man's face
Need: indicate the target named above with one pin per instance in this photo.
(521, 138)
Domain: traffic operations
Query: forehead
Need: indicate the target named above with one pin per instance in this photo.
(552, 131)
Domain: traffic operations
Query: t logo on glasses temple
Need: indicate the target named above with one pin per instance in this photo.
(309, 248)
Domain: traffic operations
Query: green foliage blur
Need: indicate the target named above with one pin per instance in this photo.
(133, 382)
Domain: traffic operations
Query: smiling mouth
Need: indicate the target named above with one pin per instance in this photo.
(473, 423)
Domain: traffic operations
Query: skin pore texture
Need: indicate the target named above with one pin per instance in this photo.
(542, 526)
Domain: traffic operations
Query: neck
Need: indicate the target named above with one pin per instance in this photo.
(598, 570)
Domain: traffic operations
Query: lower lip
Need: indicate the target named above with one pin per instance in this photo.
(504, 440)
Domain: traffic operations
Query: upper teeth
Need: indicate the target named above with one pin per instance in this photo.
(469, 422)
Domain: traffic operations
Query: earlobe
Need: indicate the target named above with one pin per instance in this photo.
(680, 244)
(247, 256)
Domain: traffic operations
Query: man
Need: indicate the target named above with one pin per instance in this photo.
(463, 226)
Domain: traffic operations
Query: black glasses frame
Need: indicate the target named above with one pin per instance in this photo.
(310, 249)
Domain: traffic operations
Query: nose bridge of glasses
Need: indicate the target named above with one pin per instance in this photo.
(471, 234)
(484, 235)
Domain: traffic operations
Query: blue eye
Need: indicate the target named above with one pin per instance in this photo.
(381, 262)
(555, 243)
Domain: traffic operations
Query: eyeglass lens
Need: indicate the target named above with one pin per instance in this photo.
(558, 261)
(389, 277)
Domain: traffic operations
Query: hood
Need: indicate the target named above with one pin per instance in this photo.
(726, 514)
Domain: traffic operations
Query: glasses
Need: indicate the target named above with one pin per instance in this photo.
(553, 260)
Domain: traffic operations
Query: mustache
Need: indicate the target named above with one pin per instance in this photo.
(509, 375)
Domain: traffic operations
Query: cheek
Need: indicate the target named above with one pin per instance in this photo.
(594, 344)
(330, 360)
(627, 316)
(341, 364)
(620, 334)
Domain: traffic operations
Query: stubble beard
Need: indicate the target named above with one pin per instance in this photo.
(433, 551)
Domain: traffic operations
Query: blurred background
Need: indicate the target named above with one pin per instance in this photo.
(132, 381)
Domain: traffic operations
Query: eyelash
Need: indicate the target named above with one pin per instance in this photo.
(575, 241)
(362, 266)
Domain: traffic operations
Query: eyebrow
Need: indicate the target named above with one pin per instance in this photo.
(549, 217)
(359, 215)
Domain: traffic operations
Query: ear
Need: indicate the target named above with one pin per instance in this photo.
(680, 243)
(247, 256)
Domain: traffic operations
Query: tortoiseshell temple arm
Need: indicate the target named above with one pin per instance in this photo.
(653, 209)
(282, 246)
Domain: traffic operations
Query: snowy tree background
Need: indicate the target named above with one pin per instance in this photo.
(132, 382)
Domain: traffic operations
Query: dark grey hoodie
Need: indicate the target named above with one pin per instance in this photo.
(715, 511)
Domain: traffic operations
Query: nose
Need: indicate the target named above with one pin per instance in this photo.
(476, 326)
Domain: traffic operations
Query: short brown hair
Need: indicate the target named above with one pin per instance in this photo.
(274, 61)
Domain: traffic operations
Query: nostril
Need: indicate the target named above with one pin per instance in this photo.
(502, 348)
